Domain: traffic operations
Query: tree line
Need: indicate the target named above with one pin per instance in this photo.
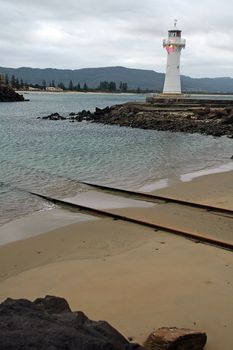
(104, 86)
(13, 81)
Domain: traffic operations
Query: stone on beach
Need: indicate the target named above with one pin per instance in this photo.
(172, 338)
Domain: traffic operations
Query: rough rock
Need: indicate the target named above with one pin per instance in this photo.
(7, 94)
(54, 116)
(172, 338)
(227, 120)
(49, 324)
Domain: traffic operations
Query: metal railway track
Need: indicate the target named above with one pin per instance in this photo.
(155, 198)
(106, 213)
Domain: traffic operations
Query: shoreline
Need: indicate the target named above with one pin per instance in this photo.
(133, 277)
(127, 93)
(85, 93)
(28, 225)
(187, 177)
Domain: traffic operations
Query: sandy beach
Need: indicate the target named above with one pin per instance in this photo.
(136, 278)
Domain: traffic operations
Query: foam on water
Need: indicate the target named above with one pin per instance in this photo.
(221, 169)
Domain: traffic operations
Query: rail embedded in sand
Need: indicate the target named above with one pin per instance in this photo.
(200, 238)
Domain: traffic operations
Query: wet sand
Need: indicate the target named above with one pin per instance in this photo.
(134, 277)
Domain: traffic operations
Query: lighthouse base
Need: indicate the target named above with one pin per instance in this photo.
(167, 97)
(170, 94)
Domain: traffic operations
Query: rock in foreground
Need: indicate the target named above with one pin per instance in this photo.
(9, 95)
(172, 338)
(48, 323)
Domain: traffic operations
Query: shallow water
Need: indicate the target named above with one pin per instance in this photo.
(50, 157)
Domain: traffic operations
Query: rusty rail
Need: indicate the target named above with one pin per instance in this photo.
(153, 198)
(104, 213)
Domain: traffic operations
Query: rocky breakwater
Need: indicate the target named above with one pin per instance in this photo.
(205, 119)
(9, 95)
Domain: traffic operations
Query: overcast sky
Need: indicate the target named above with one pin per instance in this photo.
(97, 33)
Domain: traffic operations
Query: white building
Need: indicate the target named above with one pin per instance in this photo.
(173, 44)
(53, 89)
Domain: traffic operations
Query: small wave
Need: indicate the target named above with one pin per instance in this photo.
(47, 206)
(221, 169)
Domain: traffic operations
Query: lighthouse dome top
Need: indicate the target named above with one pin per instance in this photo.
(174, 29)
(175, 24)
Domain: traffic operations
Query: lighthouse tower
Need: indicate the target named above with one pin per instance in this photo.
(173, 44)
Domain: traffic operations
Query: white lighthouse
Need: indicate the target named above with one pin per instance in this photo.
(173, 44)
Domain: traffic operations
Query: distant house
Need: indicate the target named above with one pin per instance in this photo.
(53, 89)
(30, 88)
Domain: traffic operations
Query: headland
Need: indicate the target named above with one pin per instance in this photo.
(8, 94)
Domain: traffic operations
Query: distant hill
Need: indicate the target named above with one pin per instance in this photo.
(135, 78)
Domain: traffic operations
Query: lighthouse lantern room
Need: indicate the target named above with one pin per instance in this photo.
(173, 44)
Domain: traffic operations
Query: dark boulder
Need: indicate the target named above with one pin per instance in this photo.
(52, 304)
(221, 112)
(54, 116)
(201, 112)
(48, 323)
(227, 120)
(99, 111)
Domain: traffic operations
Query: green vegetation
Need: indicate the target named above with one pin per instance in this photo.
(104, 86)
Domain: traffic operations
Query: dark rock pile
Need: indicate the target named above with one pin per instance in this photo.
(48, 323)
(81, 116)
(54, 116)
(205, 120)
(9, 95)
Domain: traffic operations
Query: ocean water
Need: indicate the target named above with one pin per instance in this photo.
(50, 157)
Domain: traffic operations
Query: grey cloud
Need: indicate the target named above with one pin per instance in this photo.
(77, 33)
